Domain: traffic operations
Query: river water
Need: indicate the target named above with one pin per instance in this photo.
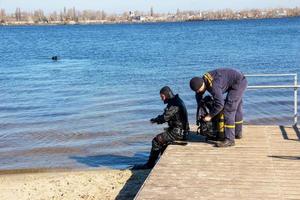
(92, 107)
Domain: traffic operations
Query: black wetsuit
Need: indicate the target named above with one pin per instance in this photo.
(175, 114)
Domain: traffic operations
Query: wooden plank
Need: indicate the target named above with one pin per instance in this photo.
(265, 164)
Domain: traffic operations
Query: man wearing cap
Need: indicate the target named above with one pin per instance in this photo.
(175, 114)
(217, 83)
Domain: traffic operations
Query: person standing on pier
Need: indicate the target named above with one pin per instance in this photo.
(217, 83)
(175, 114)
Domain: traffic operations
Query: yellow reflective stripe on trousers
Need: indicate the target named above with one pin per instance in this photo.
(239, 122)
(229, 126)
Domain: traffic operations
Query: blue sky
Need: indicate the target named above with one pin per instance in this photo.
(119, 6)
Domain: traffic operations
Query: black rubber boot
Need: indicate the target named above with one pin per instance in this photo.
(151, 162)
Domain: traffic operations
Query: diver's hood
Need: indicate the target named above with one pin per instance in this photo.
(168, 94)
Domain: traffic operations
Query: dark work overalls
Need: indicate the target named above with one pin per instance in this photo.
(175, 114)
(233, 83)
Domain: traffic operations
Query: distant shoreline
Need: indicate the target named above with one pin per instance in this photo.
(72, 23)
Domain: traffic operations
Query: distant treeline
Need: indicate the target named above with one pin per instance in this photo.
(73, 16)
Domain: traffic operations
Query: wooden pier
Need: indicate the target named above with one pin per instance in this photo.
(265, 164)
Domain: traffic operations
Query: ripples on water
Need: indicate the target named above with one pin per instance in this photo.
(92, 107)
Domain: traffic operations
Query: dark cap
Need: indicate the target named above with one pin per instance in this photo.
(196, 83)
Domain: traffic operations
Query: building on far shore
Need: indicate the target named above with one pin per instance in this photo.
(73, 16)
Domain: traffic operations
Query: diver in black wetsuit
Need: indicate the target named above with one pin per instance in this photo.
(175, 114)
(55, 58)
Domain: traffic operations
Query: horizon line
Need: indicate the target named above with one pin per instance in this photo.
(150, 8)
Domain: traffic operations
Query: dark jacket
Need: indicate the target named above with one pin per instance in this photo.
(175, 114)
(217, 83)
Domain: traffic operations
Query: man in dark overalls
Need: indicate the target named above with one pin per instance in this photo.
(218, 82)
(175, 114)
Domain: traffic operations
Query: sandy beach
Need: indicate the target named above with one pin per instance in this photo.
(88, 185)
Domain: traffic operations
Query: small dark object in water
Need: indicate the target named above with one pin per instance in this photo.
(55, 58)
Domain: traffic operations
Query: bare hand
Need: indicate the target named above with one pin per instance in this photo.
(207, 118)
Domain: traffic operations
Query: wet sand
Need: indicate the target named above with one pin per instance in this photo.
(87, 185)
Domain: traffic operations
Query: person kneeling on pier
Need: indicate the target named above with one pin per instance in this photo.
(175, 114)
